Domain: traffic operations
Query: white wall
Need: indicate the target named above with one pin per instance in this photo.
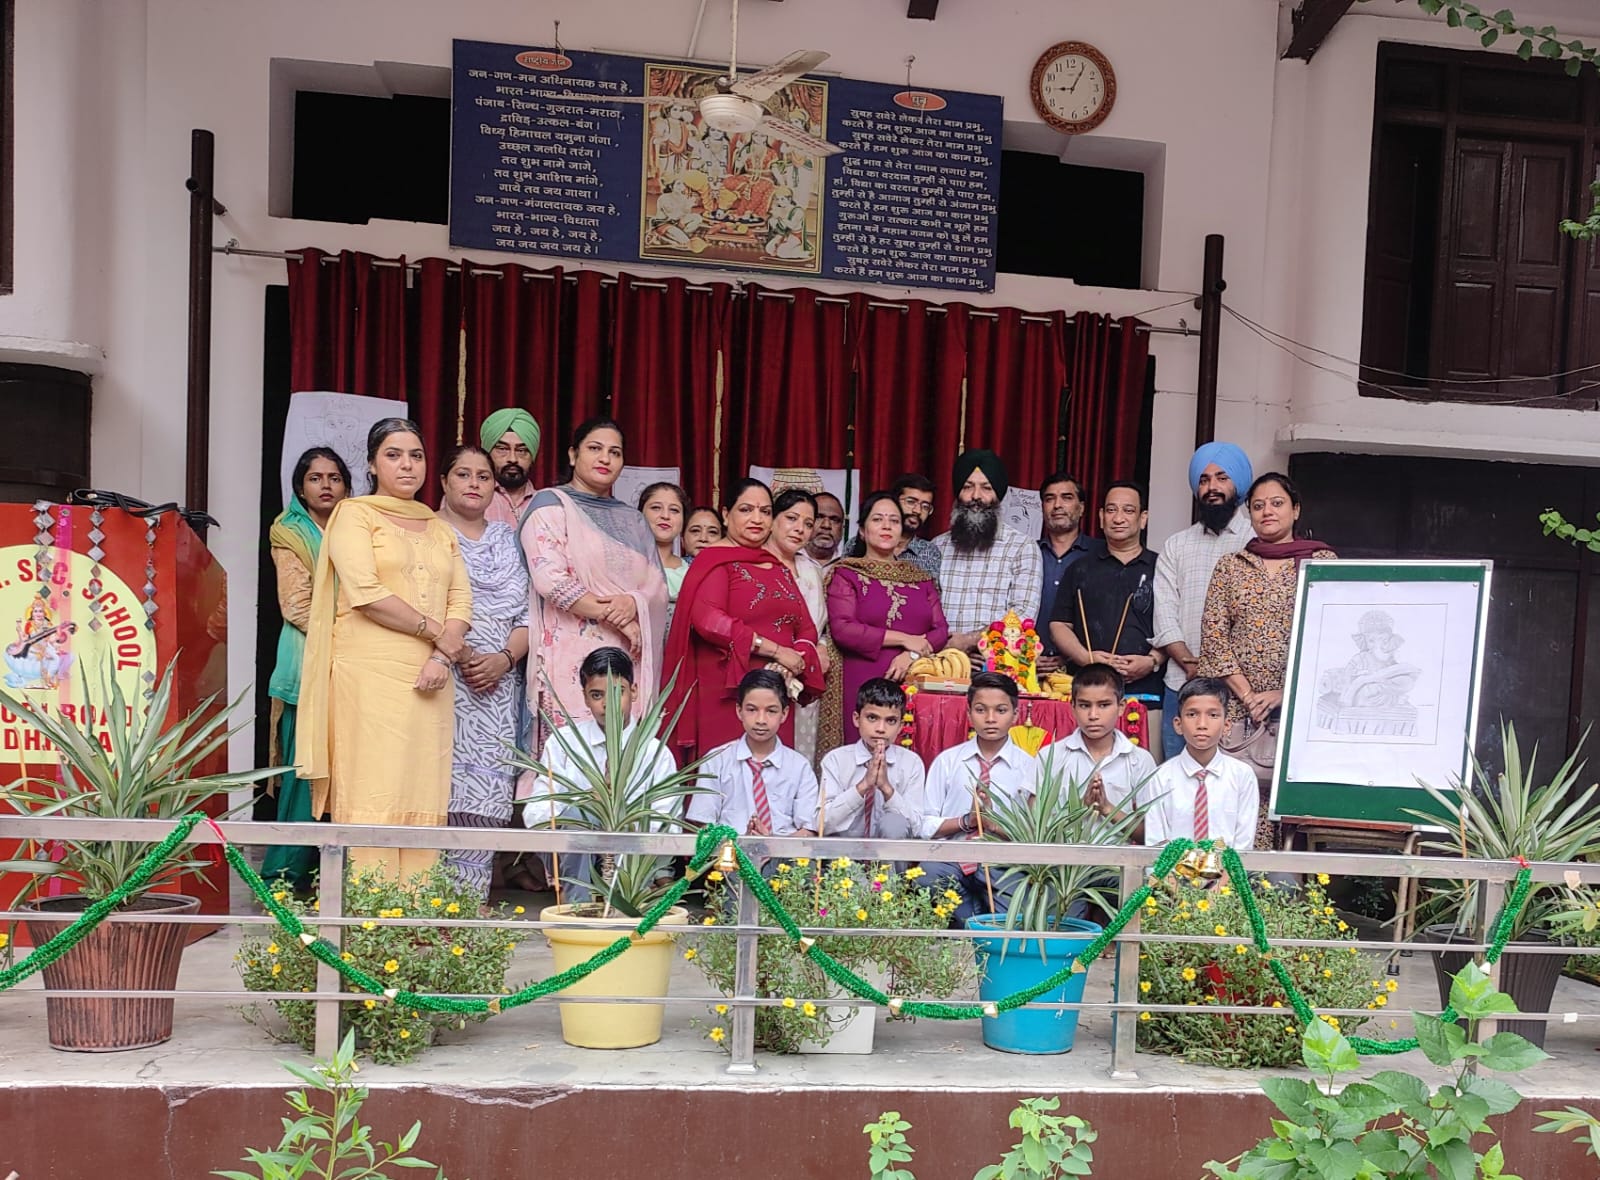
(108, 91)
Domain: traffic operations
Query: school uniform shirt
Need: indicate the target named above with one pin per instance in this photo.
(1125, 770)
(790, 783)
(898, 819)
(953, 779)
(1232, 800)
(656, 764)
(1107, 584)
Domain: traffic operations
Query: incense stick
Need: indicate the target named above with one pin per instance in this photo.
(1083, 617)
(555, 854)
(988, 882)
(1120, 623)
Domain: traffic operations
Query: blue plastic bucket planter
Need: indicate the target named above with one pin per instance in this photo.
(1009, 965)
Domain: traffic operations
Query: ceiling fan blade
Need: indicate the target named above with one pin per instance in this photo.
(763, 84)
(798, 137)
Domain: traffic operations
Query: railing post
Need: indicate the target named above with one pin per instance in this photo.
(744, 985)
(330, 904)
(1125, 1025)
(1491, 898)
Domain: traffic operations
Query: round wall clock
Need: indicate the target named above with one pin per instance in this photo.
(1073, 87)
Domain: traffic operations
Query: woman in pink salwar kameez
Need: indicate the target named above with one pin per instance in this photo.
(595, 580)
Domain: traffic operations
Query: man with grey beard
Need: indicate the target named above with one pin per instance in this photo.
(986, 568)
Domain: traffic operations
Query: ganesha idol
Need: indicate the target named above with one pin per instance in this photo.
(1011, 647)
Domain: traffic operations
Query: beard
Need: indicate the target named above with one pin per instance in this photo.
(1215, 515)
(511, 477)
(974, 526)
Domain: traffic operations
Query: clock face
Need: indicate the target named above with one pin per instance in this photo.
(1073, 87)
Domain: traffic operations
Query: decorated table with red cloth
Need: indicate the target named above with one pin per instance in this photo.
(939, 720)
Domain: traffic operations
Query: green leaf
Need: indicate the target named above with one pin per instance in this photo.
(1291, 1096)
(1334, 1161)
(1498, 1097)
(1406, 1089)
(1525, 50)
(1453, 18)
(1574, 67)
(1441, 1043)
(1453, 1161)
(1493, 1162)
(1509, 1053)
(1490, 36)
(1365, 1103)
(1326, 1052)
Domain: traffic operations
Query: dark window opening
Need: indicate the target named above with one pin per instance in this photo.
(357, 158)
(1066, 221)
(44, 450)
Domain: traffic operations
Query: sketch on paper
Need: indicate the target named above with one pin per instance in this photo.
(336, 420)
(1370, 695)
(1020, 509)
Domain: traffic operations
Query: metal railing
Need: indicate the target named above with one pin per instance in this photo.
(1130, 863)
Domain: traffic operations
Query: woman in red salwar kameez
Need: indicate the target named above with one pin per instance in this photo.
(739, 609)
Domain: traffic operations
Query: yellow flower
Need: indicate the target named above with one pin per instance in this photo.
(887, 896)
(802, 861)
(940, 911)
(842, 863)
(392, 966)
(1354, 951)
(1239, 949)
(369, 925)
(1289, 1029)
(373, 889)
(1144, 1016)
(718, 1035)
(458, 951)
(317, 905)
(1188, 975)
(1202, 905)
(1268, 886)
(1328, 909)
(369, 1004)
(511, 946)
(405, 1034)
(1304, 958)
(913, 874)
(722, 1009)
(1222, 931)
(1323, 879)
(279, 895)
(272, 948)
(347, 957)
(861, 915)
(1333, 1021)
(882, 878)
(783, 868)
(1144, 985)
(1381, 1000)
(951, 895)
(713, 875)
(1226, 891)
(276, 968)
(436, 902)
(808, 1008)
(846, 885)
(519, 910)
(1390, 986)
(1150, 903)
(708, 920)
(1343, 926)
(452, 908)
(1277, 1003)
(5, 940)
(777, 884)
(1326, 974)
(690, 954)
(788, 1001)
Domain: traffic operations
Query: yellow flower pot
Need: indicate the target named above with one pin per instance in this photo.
(641, 970)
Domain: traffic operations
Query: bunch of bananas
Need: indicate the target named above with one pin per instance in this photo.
(1057, 685)
(950, 664)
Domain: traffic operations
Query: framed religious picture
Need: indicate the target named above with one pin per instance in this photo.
(1381, 696)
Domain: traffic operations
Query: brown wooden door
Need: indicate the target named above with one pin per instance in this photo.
(1505, 295)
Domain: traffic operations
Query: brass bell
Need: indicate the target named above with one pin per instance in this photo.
(1201, 866)
(728, 859)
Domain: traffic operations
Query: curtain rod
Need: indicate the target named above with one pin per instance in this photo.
(233, 249)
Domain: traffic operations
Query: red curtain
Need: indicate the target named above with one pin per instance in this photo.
(1016, 369)
(669, 343)
(438, 342)
(1105, 399)
(788, 403)
(347, 324)
(908, 398)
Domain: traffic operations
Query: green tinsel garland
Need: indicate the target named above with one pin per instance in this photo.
(707, 845)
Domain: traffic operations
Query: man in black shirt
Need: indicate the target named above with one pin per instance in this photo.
(1112, 594)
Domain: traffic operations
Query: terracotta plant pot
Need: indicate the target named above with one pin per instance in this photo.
(132, 955)
(1530, 980)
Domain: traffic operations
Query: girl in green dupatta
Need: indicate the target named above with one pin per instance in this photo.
(320, 481)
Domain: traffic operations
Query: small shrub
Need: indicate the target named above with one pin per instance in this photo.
(1052, 1146)
(1202, 975)
(453, 960)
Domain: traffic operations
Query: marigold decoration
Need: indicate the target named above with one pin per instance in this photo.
(1031, 738)
(908, 720)
(1011, 648)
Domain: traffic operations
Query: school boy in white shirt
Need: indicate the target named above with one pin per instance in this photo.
(1202, 793)
(761, 786)
(604, 669)
(963, 781)
(1097, 743)
(873, 788)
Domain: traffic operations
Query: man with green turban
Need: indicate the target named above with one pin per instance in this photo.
(511, 437)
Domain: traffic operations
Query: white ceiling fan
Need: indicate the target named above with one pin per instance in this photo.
(738, 105)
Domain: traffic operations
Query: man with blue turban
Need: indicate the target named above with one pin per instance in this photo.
(511, 437)
(1219, 475)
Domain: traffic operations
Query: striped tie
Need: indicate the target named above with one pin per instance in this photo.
(985, 765)
(758, 789)
(866, 810)
(1202, 810)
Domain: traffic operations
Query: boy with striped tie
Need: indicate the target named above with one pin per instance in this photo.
(1202, 793)
(762, 787)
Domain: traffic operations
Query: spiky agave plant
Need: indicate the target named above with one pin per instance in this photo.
(148, 773)
(618, 793)
(1512, 815)
(1042, 895)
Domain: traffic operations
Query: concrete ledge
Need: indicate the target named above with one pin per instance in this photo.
(59, 354)
(1371, 440)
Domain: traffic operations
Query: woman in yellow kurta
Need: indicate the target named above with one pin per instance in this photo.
(390, 608)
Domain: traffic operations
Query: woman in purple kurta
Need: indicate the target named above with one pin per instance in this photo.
(882, 615)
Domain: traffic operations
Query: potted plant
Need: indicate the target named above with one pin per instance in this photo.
(1043, 898)
(835, 895)
(616, 793)
(145, 770)
(1505, 817)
